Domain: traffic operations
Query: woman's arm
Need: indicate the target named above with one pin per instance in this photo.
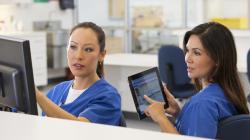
(166, 125)
(53, 110)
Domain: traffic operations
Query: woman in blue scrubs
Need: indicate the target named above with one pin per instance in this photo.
(211, 58)
(88, 97)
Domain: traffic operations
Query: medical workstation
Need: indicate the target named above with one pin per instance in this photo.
(144, 40)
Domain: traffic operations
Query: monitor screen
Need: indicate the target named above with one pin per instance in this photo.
(17, 89)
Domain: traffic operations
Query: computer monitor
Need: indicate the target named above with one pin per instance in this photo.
(17, 89)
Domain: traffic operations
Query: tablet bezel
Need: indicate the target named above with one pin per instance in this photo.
(139, 75)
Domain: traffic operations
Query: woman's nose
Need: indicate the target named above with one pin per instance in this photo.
(79, 54)
(187, 58)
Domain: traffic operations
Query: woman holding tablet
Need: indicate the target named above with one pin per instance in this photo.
(211, 58)
(88, 97)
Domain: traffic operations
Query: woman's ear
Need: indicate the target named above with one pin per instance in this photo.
(102, 55)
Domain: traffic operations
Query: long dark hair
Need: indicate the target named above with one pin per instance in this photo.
(101, 41)
(219, 43)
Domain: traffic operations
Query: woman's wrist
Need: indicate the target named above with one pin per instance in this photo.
(166, 125)
(38, 95)
(161, 118)
(176, 112)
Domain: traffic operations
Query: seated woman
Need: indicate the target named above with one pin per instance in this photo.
(211, 58)
(88, 97)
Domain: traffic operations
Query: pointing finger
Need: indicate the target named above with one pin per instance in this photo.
(148, 99)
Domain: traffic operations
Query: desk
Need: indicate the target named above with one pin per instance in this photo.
(119, 66)
(15, 126)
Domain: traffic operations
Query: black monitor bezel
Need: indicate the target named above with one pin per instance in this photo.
(29, 97)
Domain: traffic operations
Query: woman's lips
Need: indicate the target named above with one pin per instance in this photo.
(189, 69)
(78, 66)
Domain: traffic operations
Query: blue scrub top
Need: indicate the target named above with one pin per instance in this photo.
(201, 115)
(100, 103)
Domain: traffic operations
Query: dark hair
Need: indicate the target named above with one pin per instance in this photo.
(219, 43)
(101, 41)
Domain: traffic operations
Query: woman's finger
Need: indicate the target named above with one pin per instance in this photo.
(167, 93)
(146, 112)
(148, 99)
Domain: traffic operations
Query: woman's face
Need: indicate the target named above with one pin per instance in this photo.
(199, 64)
(84, 52)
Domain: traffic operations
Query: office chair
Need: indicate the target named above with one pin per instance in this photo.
(234, 128)
(173, 71)
(123, 121)
(248, 71)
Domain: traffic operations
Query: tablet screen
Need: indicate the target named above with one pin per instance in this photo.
(146, 83)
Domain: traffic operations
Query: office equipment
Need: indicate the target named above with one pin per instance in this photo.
(16, 126)
(235, 127)
(66, 4)
(16, 75)
(146, 83)
(57, 48)
(173, 71)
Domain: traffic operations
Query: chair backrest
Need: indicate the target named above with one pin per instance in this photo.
(172, 63)
(123, 121)
(248, 65)
(235, 127)
(248, 72)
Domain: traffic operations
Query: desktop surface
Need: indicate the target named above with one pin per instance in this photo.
(16, 126)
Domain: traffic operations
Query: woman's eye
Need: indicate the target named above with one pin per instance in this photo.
(72, 47)
(88, 49)
(197, 53)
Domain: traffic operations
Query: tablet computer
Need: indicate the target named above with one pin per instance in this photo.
(146, 83)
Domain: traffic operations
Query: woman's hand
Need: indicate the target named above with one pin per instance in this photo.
(157, 113)
(155, 110)
(173, 108)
